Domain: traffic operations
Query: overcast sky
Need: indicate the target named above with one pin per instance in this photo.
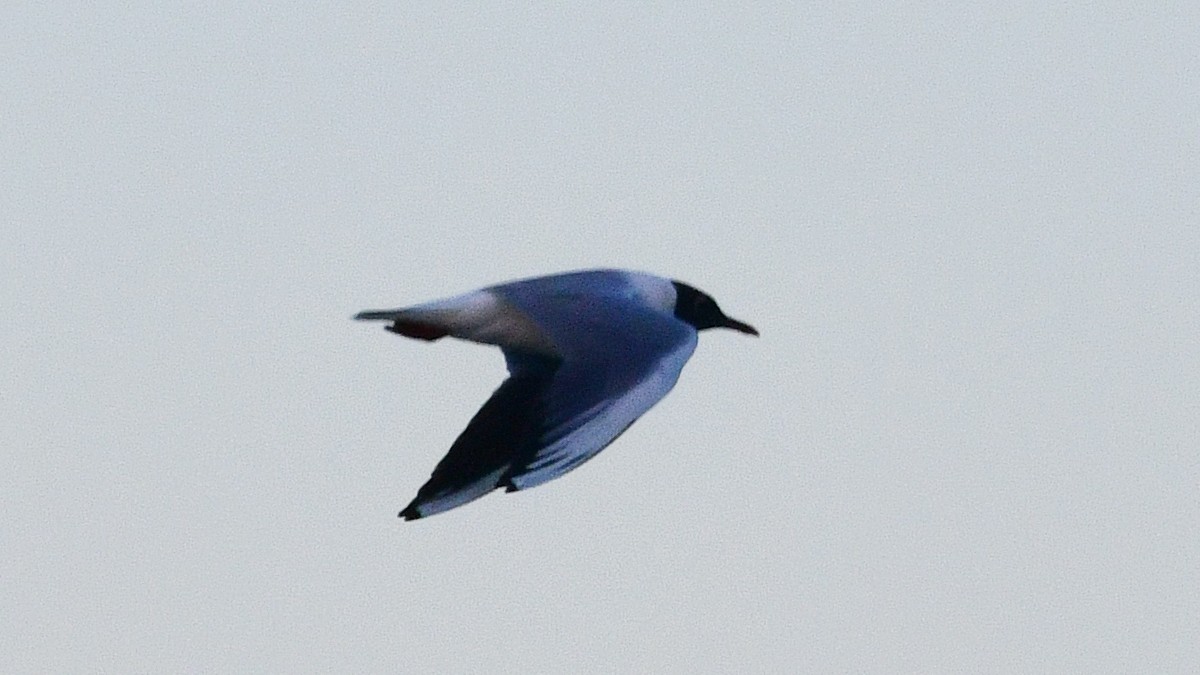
(967, 440)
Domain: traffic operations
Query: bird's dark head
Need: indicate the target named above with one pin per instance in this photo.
(701, 311)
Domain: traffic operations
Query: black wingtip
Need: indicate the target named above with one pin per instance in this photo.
(410, 513)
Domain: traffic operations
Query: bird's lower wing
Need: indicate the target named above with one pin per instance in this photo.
(486, 450)
(616, 370)
(552, 415)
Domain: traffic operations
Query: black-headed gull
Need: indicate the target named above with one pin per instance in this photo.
(587, 352)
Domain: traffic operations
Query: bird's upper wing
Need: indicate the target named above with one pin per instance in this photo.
(619, 358)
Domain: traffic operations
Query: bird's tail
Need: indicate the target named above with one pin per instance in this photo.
(478, 316)
(408, 322)
(379, 315)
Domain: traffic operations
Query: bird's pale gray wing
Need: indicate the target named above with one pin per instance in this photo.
(618, 359)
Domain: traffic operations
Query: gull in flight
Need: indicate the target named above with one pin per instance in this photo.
(587, 352)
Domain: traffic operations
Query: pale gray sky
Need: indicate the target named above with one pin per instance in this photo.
(966, 441)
